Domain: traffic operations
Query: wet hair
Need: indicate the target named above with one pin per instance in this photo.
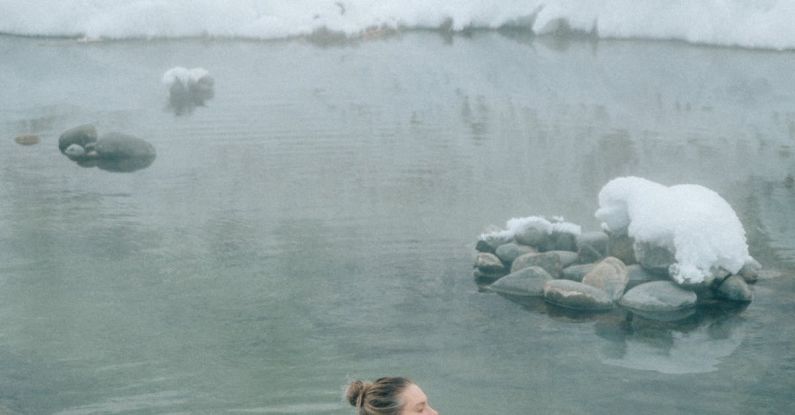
(381, 397)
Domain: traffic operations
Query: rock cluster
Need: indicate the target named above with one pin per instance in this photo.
(112, 151)
(596, 271)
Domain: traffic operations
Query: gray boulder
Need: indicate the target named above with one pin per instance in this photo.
(83, 136)
(549, 261)
(576, 296)
(734, 288)
(525, 282)
(566, 257)
(490, 243)
(576, 272)
(658, 297)
(609, 275)
(510, 251)
(489, 263)
(655, 259)
(592, 246)
(560, 241)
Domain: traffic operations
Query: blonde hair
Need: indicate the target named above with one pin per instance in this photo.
(381, 397)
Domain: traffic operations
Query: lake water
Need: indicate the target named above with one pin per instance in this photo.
(316, 222)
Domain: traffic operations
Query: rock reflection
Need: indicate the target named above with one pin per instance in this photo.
(696, 344)
(188, 89)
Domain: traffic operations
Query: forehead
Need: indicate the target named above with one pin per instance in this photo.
(414, 395)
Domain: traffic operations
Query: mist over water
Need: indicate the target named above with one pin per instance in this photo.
(315, 221)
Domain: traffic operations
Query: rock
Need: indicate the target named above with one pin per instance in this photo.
(532, 235)
(609, 275)
(637, 275)
(487, 277)
(27, 139)
(75, 152)
(560, 241)
(525, 282)
(490, 243)
(658, 297)
(576, 295)
(82, 135)
(123, 153)
(621, 246)
(576, 272)
(592, 246)
(510, 251)
(549, 261)
(489, 263)
(734, 288)
(654, 258)
(566, 257)
(750, 271)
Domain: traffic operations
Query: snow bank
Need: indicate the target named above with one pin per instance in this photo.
(751, 24)
(694, 222)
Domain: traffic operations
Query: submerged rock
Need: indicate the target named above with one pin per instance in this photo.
(609, 275)
(576, 295)
(525, 282)
(658, 297)
(27, 139)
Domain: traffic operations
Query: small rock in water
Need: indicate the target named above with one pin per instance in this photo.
(526, 282)
(734, 288)
(510, 251)
(576, 295)
(658, 297)
(27, 139)
(489, 263)
(750, 271)
(82, 135)
(609, 275)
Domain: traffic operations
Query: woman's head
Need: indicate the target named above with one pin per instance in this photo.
(388, 396)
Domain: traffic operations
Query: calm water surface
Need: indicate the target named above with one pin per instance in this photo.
(316, 221)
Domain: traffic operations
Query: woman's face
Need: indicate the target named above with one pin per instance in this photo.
(416, 403)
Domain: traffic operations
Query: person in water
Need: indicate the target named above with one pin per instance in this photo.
(388, 396)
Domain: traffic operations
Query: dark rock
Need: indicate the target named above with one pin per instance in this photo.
(609, 275)
(638, 275)
(576, 295)
(576, 272)
(550, 261)
(734, 288)
(485, 278)
(489, 263)
(83, 136)
(510, 251)
(490, 243)
(123, 153)
(560, 241)
(658, 297)
(532, 235)
(655, 259)
(592, 246)
(525, 282)
(621, 246)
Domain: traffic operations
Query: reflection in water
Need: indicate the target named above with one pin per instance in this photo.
(188, 89)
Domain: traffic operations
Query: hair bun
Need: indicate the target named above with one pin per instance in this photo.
(356, 391)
